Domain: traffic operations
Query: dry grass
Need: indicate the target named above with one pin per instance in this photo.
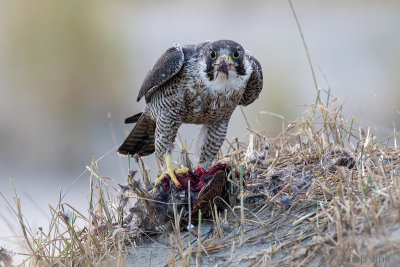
(349, 211)
(320, 192)
(74, 239)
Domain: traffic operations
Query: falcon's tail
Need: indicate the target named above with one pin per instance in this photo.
(134, 118)
(141, 139)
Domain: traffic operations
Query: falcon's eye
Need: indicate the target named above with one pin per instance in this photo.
(213, 54)
(236, 54)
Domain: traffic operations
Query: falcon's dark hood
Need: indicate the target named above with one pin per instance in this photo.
(223, 56)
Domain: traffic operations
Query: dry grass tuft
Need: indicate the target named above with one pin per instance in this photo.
(321, 192)
(75, 239)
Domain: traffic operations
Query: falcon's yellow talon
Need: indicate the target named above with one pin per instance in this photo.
(159, 179)
(183, 170)
(171, 174)
(170, 171)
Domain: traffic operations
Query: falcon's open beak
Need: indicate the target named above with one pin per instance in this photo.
(224, 63)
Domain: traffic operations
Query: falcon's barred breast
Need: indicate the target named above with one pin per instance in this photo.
(197, 84)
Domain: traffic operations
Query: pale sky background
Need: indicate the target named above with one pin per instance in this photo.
(70, 73)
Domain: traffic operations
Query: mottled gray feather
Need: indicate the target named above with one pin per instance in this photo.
(169, 64)
(255, 83)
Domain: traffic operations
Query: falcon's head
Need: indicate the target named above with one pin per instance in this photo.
(225, 58)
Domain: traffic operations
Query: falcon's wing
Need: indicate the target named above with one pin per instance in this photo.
(169, 64)
(255, 82)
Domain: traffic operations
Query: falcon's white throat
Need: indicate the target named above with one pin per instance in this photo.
(220, 84)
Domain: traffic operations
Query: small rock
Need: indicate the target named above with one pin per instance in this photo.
(285, 201)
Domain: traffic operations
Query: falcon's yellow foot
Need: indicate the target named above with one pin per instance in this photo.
(171, 172)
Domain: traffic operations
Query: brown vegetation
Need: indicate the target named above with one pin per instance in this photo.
(320, 192)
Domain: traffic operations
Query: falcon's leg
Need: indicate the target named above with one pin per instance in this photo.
(166, 130)
(210, 141)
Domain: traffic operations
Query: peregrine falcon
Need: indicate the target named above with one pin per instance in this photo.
(195, 84)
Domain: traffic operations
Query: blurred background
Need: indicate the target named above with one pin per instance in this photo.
(70, 73)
